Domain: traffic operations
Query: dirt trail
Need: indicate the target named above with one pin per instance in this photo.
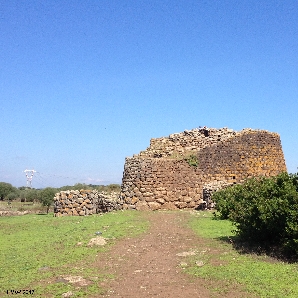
(148, 266)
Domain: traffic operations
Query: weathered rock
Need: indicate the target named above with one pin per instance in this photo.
(86, 202)
(141, 205)
(169, 206)
(67, 294)
(154, 205)
(98, 241)
(200, 263)
(10, 213)
(186, 253)
(160, 200)
(187, 199)
(181, 205)
(134, 200)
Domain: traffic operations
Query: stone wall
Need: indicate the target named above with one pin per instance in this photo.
(160, 177)
(178, 144)
(208, 190)
(85, 202)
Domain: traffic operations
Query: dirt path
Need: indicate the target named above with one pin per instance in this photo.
(148, 266)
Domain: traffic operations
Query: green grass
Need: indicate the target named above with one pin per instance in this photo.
(260, 275)
(35, 248)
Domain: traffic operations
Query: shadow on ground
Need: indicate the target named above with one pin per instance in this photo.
(273, 251)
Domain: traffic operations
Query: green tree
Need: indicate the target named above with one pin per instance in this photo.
(79, 186)
(32, 195)
(113, 188)
(5, 189)
(47, 197)
(22, 188)
(12, 196)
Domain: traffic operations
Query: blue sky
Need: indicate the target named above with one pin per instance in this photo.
(83, 84)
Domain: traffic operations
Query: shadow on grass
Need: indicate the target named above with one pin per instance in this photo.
(273, 251)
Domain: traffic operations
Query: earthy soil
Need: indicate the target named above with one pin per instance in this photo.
(150, 265)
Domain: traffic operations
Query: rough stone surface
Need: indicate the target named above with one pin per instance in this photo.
(98, 241)
(13, 213)
(162, 175)
(85, 202)
(67, 294)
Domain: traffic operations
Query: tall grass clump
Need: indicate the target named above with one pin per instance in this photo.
(263, 210)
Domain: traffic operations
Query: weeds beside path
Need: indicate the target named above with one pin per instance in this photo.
(151, 265)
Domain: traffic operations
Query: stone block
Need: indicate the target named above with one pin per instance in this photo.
(169, 206)
(89, 206)
(170, 198)
(154, 205)
(180, 205)
(127, 200)
(160, 200)
(149, 199)
(191, 204)
(134, 200)
(142, 206)
(187, 199)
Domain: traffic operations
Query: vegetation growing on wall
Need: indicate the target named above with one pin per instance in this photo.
(192, 160)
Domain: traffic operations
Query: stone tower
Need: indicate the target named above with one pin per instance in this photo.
(173, 171)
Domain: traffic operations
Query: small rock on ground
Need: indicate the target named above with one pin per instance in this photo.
(99, 241)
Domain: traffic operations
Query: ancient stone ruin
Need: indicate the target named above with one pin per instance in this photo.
(85, 202)
(183, 169)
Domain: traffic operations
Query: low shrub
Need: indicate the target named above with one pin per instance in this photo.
(263, 209)
(192, 160)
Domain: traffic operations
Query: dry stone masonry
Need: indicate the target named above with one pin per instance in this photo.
(85, 202)
(182, 170)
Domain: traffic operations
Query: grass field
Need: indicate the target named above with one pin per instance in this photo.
(38, 248)
(261, 275)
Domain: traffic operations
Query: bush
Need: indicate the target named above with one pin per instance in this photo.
(12, 196)
(47, 197)
(30, 195)
(263, 209)
(5, 189)
(192, 160)
(294, 178)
